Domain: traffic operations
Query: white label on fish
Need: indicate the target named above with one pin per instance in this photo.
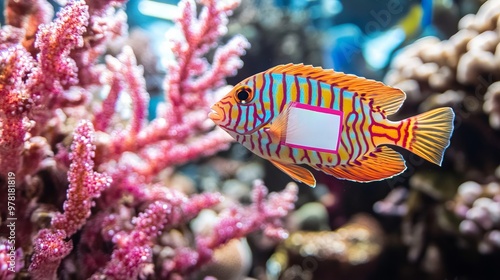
(313, 128)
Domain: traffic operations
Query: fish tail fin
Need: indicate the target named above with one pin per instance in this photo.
(428, 134)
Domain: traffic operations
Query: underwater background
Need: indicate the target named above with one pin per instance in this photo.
(111, 169)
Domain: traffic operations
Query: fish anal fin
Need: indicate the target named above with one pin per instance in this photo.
(385, 97)
(296, 172)
(378, 165)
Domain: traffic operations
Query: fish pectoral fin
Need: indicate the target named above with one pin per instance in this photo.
(381, 164)
(279, 126)
(296, 172)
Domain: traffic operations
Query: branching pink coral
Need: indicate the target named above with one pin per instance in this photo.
(226, 61)
(169, 153)
(106, 22)
(11, 259)
(190, 74)
(55, 41)
(15, 63)
(173, 138)
(125, 65)
(10, 36)
(45, 88)
(190, 81)
(134, 250)
(50, 248)
(114, 79)
(28, 15)
(55, 69)
(85, 185)
(186, 88)
(265, 214)
(29, 99)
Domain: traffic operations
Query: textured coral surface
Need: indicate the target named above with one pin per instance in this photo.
(97, 183)
(89, 180)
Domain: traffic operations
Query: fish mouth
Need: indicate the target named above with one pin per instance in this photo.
(216, 114)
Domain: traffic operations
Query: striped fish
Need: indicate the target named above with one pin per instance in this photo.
(260, 110)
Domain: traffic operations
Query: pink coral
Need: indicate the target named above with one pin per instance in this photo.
(134, 250)
(14, 104)
(84, 183)
(264, 214)
(30, 99)
(131, 75)
(107, 22)
(50, 248)
(55, 70)
(47, 89)
(191, 79)
(173, 138)
(28, 15)
(11, 259)
(113, 78)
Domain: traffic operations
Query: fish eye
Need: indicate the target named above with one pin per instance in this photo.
(243, 94)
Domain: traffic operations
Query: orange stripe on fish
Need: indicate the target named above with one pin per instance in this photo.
(256, 112)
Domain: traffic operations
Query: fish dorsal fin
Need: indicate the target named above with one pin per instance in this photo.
(379, 165)
(296, 172)
(387, 98)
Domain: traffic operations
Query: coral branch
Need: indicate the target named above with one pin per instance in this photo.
(193, 206)
(50, 248)
(11, 259)
(172, 138)
(226, 63)
(132, 76)
(106, 22)
(49, 69)
(162, 129)
(56, 40)
(28, 14)
(192, 45)
(238, 222)
(134, 250)
(10, 36)
(55, 69)
(113, 78)
(14, 104)
(84, 183)
(168, 153)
